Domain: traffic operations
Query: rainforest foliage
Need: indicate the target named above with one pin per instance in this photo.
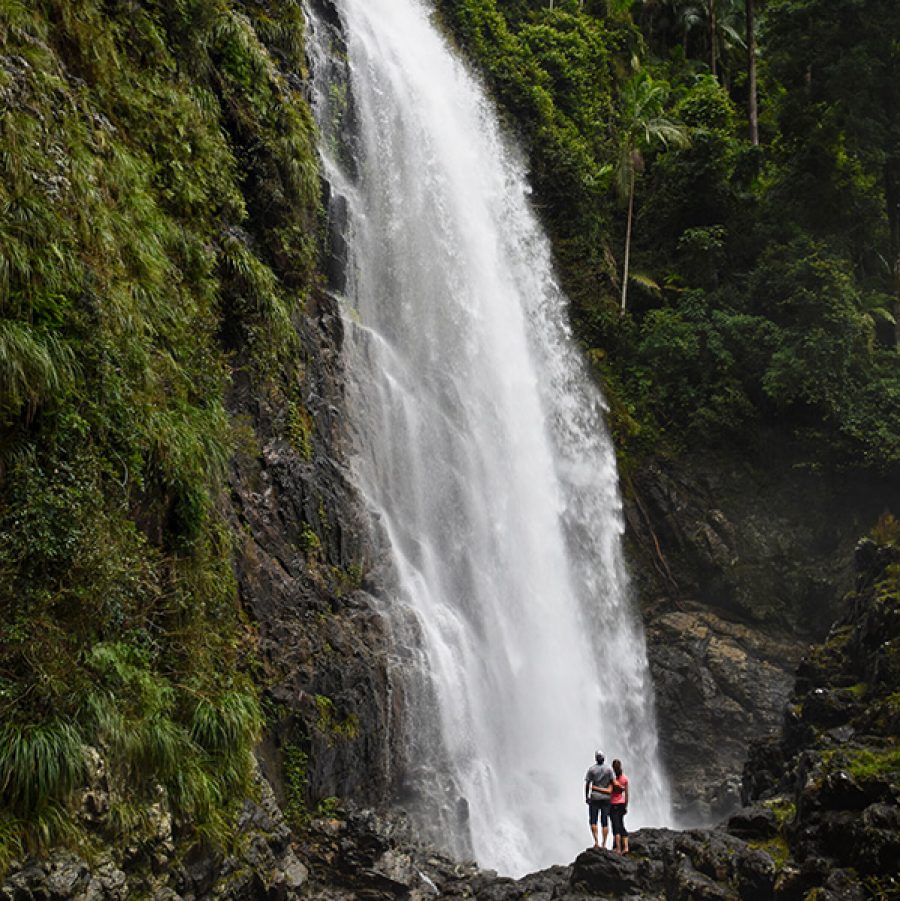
(764, 280)
(158, 216)
(158, 197)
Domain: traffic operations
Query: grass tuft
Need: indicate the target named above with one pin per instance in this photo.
(40, 763)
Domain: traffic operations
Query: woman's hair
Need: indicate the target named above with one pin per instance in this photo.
(617, 767)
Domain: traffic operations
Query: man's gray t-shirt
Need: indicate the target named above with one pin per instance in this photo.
(599, 774)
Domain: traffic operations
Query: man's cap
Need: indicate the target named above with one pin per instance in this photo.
(599, 755)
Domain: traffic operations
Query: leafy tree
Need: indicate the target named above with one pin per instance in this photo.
(718, 21)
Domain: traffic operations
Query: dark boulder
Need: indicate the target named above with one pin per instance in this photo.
(753, 823)
(604, 872)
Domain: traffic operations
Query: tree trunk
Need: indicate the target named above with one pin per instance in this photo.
(627, 243)
(892, 202)
(712, 37)
(751, 75)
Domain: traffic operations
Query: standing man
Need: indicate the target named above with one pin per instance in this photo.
(597, 790)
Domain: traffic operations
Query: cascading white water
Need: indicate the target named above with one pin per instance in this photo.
(481, 449)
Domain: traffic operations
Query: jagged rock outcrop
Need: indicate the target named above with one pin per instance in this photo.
(834, 772)
(738, 568)
(718, 684)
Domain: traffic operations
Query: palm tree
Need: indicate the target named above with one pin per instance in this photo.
(752, 111)
(643, 127)
(718, 20)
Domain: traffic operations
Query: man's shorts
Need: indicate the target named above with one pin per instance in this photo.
(601, 807)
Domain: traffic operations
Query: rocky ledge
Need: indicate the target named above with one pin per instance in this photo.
(358, 862)
(821, 820)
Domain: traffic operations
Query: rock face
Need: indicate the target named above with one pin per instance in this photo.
(306, 568)
(309, 566)
(718, 684)
(834, 772)
(738, 569)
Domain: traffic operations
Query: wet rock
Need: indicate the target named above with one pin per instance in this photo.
(67, 875)
(829, 708)
(756, 874)
(753, 823)
(843, 781)
(685, 883)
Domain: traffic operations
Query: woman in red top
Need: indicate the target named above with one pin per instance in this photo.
(618, 807)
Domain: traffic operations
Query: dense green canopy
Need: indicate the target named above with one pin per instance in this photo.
(764, 279)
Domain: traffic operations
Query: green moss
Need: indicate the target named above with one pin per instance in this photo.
(871, 763)
(346, 580)
(310, 542)
(784, 809)
(329, 725)
(777, 848)
(327, 807)
(300, 429)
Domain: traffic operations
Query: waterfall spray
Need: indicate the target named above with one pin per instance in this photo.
(480, 447)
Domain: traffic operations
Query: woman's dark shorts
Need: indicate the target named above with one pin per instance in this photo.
(617, 815)
(601, 807)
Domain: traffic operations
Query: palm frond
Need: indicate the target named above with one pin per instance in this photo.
(645, 281)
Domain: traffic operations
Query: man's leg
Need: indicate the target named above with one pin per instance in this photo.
(604, 822)
(592, 820)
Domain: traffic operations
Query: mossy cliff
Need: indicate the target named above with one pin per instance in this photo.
(184, 579)
(177, 539)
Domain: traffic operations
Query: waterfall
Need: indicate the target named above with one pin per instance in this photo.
(481, 450)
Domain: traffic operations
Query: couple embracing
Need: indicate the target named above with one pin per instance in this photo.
(606, 794)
